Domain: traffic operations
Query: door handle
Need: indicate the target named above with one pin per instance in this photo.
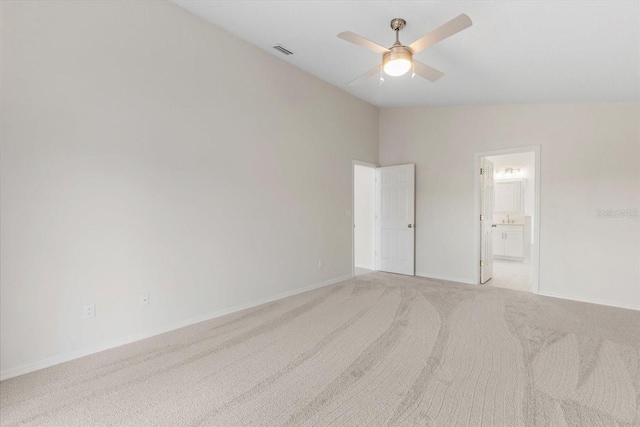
(410, 226)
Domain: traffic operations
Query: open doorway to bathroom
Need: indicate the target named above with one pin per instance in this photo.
(508, 206)
(364, 186)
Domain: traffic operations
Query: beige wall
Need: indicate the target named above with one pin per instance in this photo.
(145, 150)
(590, 160)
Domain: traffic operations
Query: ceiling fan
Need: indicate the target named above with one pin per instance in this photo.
(398, 59)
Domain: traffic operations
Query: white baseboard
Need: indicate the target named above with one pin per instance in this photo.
(366, 267)
(546, 294)
(36, 366)
(590, 301)
(449, 279)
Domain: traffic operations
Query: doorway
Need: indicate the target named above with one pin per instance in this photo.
(508, 208)
(364, 187)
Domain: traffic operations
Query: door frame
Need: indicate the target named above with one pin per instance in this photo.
(355, 163)
(535, 253)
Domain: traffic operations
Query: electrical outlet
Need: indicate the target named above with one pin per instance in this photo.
(89, 311)
(144, 299)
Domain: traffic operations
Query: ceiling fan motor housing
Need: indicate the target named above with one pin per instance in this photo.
(396, 53)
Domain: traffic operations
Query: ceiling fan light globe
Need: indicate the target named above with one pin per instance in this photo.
(397, 61)
(397, 67)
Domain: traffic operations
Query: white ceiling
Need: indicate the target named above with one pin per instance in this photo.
(515, 52)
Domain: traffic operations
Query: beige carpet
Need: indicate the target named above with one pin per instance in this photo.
(379, 349)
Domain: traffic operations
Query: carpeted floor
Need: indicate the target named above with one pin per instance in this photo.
(379, 349)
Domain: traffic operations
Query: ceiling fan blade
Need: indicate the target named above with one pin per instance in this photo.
(448, 29)
(365, 76)
(426, 72)
(362, 42)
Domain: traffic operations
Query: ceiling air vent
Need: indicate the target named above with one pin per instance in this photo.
(282, 49)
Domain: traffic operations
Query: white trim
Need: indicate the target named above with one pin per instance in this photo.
(590, 301)
(535, 254)
(36, 366)
(448, 279)
(355, 163)
(541, 293)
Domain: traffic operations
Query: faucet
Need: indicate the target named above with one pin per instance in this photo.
(508, 220)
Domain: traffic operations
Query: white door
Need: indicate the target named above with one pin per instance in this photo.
(395, 193)
(487, 200)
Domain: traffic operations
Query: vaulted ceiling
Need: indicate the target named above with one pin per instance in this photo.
(515, 52)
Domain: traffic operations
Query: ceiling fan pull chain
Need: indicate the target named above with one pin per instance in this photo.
(381, 78)
(413, 69)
